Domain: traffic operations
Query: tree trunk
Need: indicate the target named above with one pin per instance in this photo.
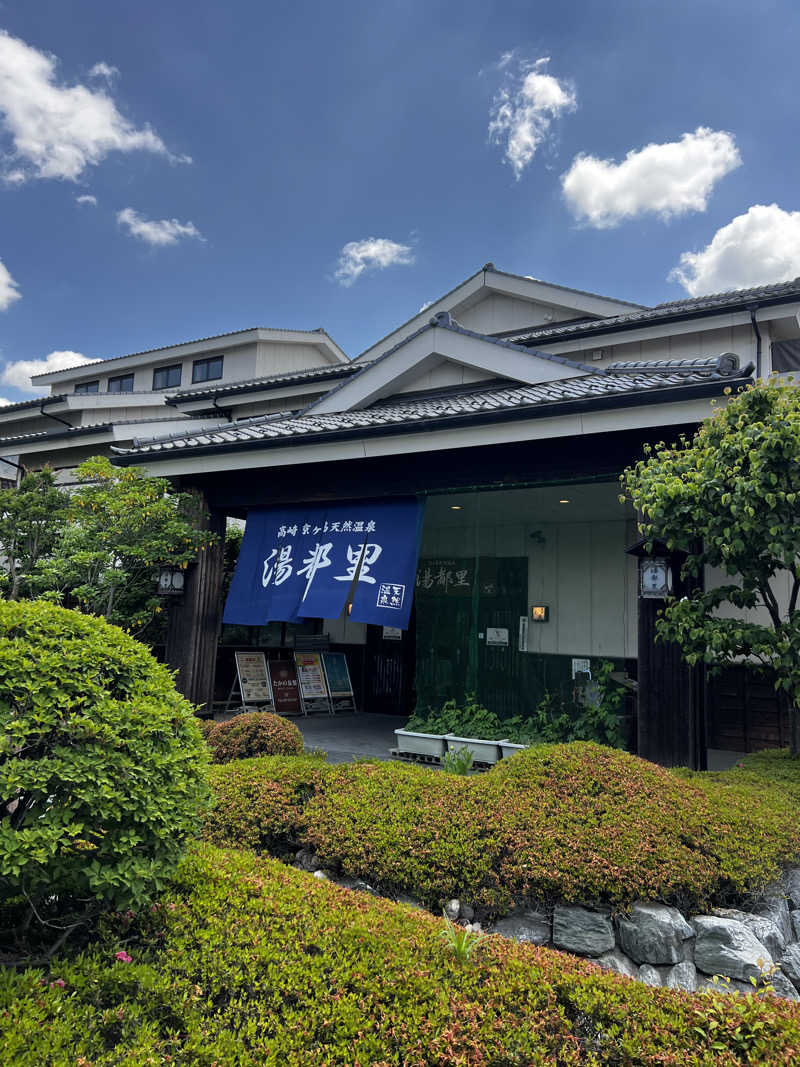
(794, 731)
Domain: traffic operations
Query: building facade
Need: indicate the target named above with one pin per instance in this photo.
(509, 408)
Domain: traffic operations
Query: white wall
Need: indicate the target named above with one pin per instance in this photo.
(496, 313)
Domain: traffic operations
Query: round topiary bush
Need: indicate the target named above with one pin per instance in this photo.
(102, 765)
(255, 733)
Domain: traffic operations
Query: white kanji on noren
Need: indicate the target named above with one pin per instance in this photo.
(278, 564)
(371, 553)
(314, 561)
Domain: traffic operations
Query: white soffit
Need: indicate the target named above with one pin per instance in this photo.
(430, 347)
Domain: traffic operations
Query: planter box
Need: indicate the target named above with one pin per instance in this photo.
(422, 744)
(508, 748)
(483, 751)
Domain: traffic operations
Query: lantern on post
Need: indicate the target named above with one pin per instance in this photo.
(171, 581)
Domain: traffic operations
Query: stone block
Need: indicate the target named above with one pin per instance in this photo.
(619, 963)
(764, 928)
(588, 933)
(452, 908)
(682, 976)
(532, 927)
(649, 975)
(791, 883)
(782, 987)
(727, 947)
(790, 964)
(654, 933)
(774, 906)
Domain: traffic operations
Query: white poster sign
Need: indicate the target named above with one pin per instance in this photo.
(496, 635)
(251, 668)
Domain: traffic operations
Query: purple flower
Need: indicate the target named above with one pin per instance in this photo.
(123, 957)
(59, 982)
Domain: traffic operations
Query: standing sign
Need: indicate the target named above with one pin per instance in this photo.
(338, 678)
(285, 691)
(311, 679)
(300, 563)
(251, 668)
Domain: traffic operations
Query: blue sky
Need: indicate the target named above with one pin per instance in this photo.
(234, 151)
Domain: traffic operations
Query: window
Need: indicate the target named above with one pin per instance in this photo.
(167, 377)
(123, 383)
(88, 387)
(207, 370)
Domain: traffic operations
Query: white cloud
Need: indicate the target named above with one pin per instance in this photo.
(9, 290)
(156, 231)
(4, 402)
(374, 253)
(87, 198)
(19, 373)
(524, 109)
(665, 179)
(757, 248)
(105, 71)
(58, 131)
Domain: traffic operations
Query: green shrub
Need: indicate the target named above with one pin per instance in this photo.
(102, 766)
(246, 962)
(255, 733)
(260, 803)
(576, 822)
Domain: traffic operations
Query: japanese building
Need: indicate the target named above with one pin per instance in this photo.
(467, 466)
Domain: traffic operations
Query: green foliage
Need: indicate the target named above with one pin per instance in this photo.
(461, 942)
(102, 767)
(247, 962)
(459, 762)
(595, 717)
(255, 733)
(32, 518)
(729, 498)
(576, 822)
(260, 803)
(122, 528)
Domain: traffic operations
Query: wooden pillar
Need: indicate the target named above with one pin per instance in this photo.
(194, 621)
(671, 694)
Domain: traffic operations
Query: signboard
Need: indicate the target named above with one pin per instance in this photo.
(581, 666)
(251, 668)
(300, 563)
(496, 635)
(338, 678)
(311, 680)
(392, 633)
(522, 641)
(283, 676)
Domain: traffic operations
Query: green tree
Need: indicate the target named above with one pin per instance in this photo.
(728, 497)
(32, 518)
(122, 528)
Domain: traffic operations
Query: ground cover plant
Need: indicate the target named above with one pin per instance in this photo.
(102, 770)
(577, 822)
(245, 961)
(254, 733)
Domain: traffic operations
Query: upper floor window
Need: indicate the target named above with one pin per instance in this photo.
(88, 387)
(207, 370)
(122, 383)
(167, 377)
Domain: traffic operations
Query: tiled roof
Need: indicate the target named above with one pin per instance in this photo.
(737, 299)
(254, 385)
(78, 431)
(22, 405)
(427, 412)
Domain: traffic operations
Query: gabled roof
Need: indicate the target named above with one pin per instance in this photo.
(693, 307)
(37, 402)
(490, 279)
(413, 354)
(672, 381)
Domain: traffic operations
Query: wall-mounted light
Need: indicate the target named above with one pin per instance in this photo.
(455, 507)
(171, 581)
(565, 501)
(540, 613)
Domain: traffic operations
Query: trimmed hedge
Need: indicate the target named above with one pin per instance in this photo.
(577, 822)
(102, 766)
(254, 733)
(248, 962)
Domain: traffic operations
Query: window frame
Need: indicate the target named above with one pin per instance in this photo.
(168, 367)
(120, 378)
(88, 388)
(204, 363)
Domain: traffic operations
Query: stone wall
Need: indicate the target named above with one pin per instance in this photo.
(728, 950)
